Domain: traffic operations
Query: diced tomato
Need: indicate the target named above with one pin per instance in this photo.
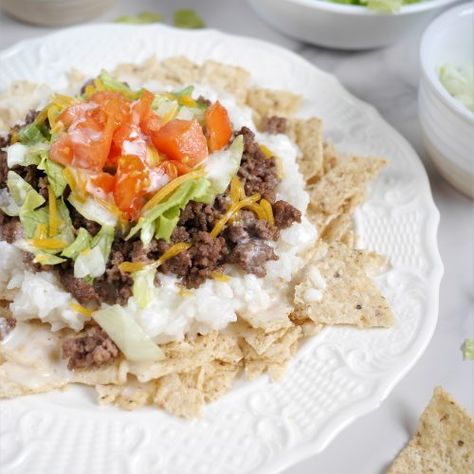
(104, 181)
(181, 168)
(131, 185)
(114, 104)
(218, 126)
(182, 140)
(75, 112)
(150, 122)
(61, 150)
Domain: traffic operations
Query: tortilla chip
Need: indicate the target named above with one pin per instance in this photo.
(146, 71)
(259, 339)
(17, 100)
(268, 102)
(179, 70)
(307, 134)
(174, 396)
(347, 179)
(213, 379)
(443, 443)
(330, 157)
(115, 373)
(130, 396)
(348, 296)
(188, 355)
(337, 227)
(231, 79)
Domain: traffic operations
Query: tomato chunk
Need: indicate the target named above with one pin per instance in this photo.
(61, 150)
(182, 140)
(104, 181)
(218, 126)
(131, 185)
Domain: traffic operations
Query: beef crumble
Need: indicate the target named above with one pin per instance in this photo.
(91, 348)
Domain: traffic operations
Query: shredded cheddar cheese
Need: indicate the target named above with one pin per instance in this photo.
(258, 210)
(53, 213)
(219, 276)
(169, 188)
(131, 267)
(81, 309)
(172, 252)
(49, 244)
(237, 191)
(41, 232)
(267, 207)
(233, 209)
(266, 151)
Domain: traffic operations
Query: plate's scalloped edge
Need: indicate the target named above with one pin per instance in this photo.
(373, 400)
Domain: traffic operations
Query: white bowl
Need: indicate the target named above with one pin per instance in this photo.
(55, 12)
(344, 26)
(447, 125)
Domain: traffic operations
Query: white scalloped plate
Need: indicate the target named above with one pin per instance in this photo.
(338, 376)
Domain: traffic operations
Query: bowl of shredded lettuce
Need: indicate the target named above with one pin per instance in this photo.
(348, 24)
(446, 95)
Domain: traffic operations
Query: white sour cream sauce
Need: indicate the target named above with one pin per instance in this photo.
(174, 313)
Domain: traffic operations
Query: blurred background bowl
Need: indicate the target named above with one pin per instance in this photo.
(447, 125)
(344, 26)
(55, 12)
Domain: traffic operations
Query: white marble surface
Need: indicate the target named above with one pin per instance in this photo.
(387, 79)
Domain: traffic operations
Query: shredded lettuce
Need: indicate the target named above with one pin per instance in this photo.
(82, 242)
(140, 19)
(66, 229)
(48, 259)
(32, 134)
(166, 223)
(459, 82)
(91, 209)
(16, 154)
(8, 204)
(222, 166)
(143, 285)
(103, 240)
(90, 262)
(112, 84)
(187, 18)
(31, 219)
(468, 349)
(389, 6)
(55, 175)
(22, 192)
(196, 190)
(130, 338)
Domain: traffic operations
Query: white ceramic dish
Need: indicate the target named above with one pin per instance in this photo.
(55, 12)
(447, 125)
(338, 376)
(344, 26)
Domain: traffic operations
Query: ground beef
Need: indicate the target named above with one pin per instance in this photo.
(79, 221)
(252, 255)
(197, 216)
(83, 291)
(30, 117)
(285, 214)
(10, 228)
(258, 228)
(3, 169)
(115, 286)
(257, 172)
(274, 124)
(6, 326)
(91, 348)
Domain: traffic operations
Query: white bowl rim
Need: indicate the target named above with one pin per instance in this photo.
(432, 77)
(359, 10)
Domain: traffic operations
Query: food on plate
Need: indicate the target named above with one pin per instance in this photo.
(459, 82)
(444, 441)
(168, 226)
(379, 5)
